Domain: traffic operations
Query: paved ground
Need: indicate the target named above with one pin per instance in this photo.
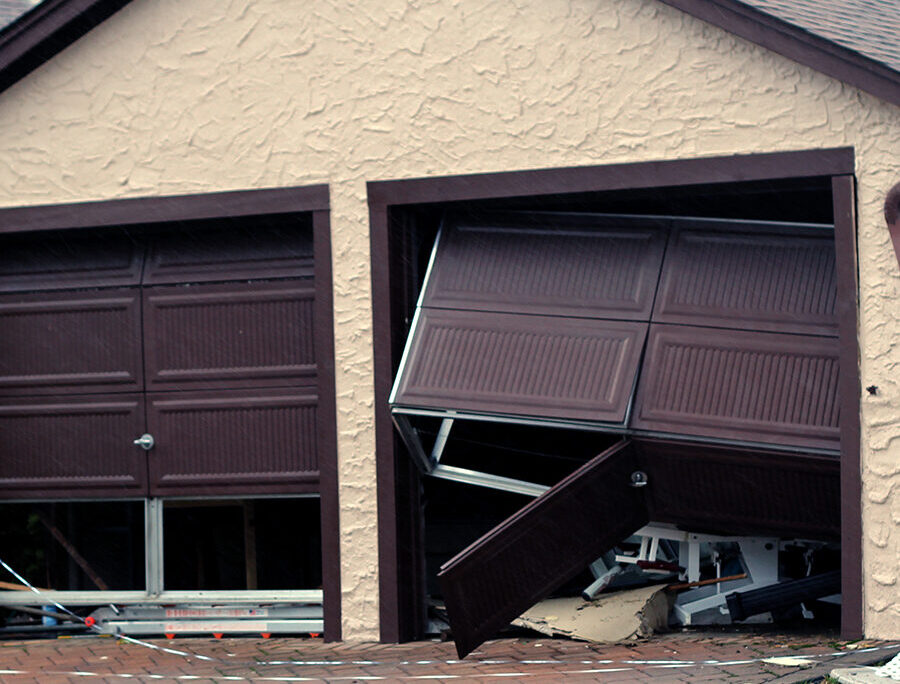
(678, 657)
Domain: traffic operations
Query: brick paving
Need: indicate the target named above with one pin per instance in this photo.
(691, 656)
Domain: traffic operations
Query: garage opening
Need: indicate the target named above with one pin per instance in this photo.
(166, 394)
(684, 340)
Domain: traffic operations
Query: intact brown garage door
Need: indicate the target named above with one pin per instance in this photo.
(201, 336)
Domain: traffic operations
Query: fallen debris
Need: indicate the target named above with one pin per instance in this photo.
(613, 617)
(789, 661)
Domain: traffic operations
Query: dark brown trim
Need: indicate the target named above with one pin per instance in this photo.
(750, 167)
(797, 44)
(388, 580)
(844, 199)
(326, 432)
(46, 30)
(125, 212)
(892, 217)
(383, 195)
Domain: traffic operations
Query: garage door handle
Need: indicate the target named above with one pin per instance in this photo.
(145, 441)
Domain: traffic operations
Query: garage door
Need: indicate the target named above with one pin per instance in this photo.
(200, 337)
(711, 345)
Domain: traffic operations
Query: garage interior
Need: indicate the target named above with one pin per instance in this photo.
(162, 440)
(515, 502)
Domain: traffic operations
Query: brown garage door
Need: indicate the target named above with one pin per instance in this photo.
(206, 344)
(533, 315)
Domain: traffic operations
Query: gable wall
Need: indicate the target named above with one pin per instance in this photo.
(175, 96)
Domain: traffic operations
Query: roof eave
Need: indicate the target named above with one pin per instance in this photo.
(797, 44)
(46, 30)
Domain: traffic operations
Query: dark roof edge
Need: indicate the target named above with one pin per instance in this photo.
(797, 44)
(46, 30)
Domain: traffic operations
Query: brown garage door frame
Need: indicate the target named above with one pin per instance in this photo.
(313, 200)
(400, 566)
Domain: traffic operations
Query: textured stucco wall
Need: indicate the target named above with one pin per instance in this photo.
(186, 96)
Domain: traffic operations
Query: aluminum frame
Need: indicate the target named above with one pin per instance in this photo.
(154, 592)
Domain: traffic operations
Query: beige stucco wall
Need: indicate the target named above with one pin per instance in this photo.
(188, 96)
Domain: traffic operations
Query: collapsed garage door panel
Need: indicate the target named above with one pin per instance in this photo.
(81, 446)
(220, 442)
(546, 543)
(750, 280)
(230, 335)
(63, 342)
(66, 261)
(554, 265)
(727, 490)
(740, 385)
(241, 253)
(525, 365)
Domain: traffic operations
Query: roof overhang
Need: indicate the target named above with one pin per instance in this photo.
(797, 44)
(46, 30)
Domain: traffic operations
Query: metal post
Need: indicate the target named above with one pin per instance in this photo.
(153, 545)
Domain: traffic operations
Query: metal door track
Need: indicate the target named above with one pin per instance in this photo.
(210, 620)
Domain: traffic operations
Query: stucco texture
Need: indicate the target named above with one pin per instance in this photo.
(189, 96)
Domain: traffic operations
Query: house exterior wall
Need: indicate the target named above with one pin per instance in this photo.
(173, 97)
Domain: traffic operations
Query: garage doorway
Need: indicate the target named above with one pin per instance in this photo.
(804, 187)
(178, 352)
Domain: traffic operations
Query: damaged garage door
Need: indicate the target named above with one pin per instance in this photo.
(533, 318)
(711, 344)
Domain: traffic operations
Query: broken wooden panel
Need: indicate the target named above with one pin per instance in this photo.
(548, 264)
(72, 446)
(247, 441)
(740, 385)
(229, 335)
(542, 546)
(196, 255)
(734, 491)
(521, 365)
(75, 259)
(65, 342)
(749, 280)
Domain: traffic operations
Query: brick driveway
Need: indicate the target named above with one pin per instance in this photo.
(677, 657)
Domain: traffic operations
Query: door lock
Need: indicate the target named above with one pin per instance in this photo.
(145, 441)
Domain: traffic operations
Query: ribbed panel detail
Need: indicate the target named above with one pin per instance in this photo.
(233, 435)
(84, 342)
(600, 273)
(747, 385)
(738, 280)
(523, 364)
(734, 491)
(79, 442)
(76, 259)
(240, 254)
(242, 332)
(757, 382)
(540, 547)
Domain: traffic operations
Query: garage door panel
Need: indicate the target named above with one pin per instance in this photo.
(228, 440)
(548, 264)
(734, 491)
(521, 365)
(72, 446)
(547, 542)
(744, 279)
(71, 260)
(740, 385)
(198, 256)
(230, 336)
(68, 342)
